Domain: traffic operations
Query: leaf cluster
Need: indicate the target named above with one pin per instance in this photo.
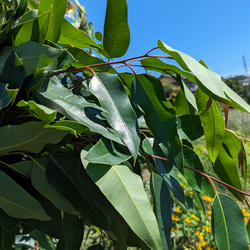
(76, 134)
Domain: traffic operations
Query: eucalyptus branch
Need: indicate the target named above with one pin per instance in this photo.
(124, 61)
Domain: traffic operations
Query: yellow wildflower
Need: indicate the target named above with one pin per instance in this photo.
(245, 213)
(191, 193)
(177, 210)
(195, 217)
(209, 212)
(174, 217)
(208, 228)
(209, 248)
(200, 235)
(183, 186)
(174, 229)
(245, 220)
(206, 198)
(187, 220)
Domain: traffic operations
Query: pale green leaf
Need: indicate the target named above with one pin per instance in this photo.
(120, 114)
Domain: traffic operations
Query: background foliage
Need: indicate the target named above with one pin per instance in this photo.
(77, 134)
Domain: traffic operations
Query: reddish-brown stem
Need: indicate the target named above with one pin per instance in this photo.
(124, 61)
(205, 175)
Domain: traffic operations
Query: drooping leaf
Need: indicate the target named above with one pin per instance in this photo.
(120, 114)
(116, 35)
(213, 123)
(43, 113)
(129, 199)
(162, 208)
(75, 37)
(228, 224)
(57, 9)
(30, 137)
(108, 152)
(206, 79)
(226, 169)
(147, 93)
(55, 96)
(16, 202)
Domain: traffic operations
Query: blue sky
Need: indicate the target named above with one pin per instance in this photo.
(216, 31)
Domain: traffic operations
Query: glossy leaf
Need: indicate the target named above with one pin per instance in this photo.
(226, 169)
(35, 56)
(213, 123)
(130, 200)
(75, 37)
(107, 152)
(43, 113)
(55, 96)
(16, 202)
(120, 114)
(162, 208)
(148, 94)
(116, 35)
(228, 224)
(57, 9)
(28, 137)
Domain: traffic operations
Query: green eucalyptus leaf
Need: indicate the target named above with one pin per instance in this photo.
(43, 113)
(55, 96)
(120, 114)
(7, 96)
(116, 35)
(162, 208)
(213, 123)
(29, 136)
(35, 56)
(228, 224)
(129, 199)
(17, 203)
(147, 93)
(189, 127)
(75, 37)
(57, 9)
(226, 169)
(108, 152)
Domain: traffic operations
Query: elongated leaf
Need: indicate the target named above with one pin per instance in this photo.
(120, 114)
(116, 35)
(35, 56)
(207, 80)
(30, 137)
(41, 184)
(236, 150)
(75, 37)
(7, 96)
(58, 9)
(55, 96)
(43, 113)
(129, 199)
(107, 152)
(162, 208)
(226, 169)
(147, 93)
(16, 202)
(213, 123)
(228, 224)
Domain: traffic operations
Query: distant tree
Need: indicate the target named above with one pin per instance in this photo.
(235, 83)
